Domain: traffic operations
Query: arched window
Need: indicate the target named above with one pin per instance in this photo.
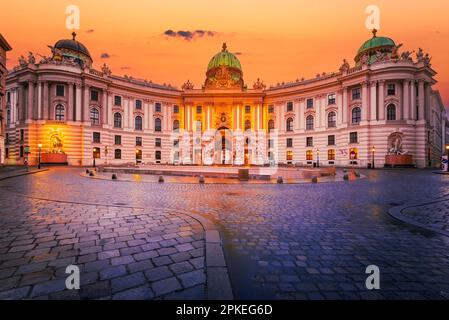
(271, 125)
(94, 116)
(138, 123)
(356, 115)
(117, 120)
(247, 125)
(176, 125)
(289, 124)
(309, 122)
(391, 112)
(59, 113)
(157, 125)
(117, 154)
(331, 120)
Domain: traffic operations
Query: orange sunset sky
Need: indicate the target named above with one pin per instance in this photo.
(276, 40)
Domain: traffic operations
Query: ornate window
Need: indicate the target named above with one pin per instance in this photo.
(60, 113)
(176, 125)
(60, 90)
(270, 125)
(309, 103)
(391, 112)
(157, 125)
(117, 154)
(391, 89)
(93, 95)
(117, 120)
(247, 109)
(331, 99)
(309, 122)
(94, 116)
(356, 115)
(331, 119)
(138, 123)
(289, 124)
(356, 94)
(139, 104)
(289, 106)
(117, 100)
(157, 107)
(247, 125)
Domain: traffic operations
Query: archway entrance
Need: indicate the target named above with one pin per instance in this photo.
(223, 146)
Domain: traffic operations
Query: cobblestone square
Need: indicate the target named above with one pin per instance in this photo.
(135, 240)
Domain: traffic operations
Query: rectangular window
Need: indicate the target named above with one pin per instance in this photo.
(138, 141)
(117, 100)
(158, 156)
(96, 138)
(247, 109)
(117, 154)
(158, 142)
(331, 154)
(356, 94)
(60, 90)
(331, 140)
(331, 99)
(139, 104)
(289, 106)
(309, 103)
(175, 109)
(353, 154)
(309, 141)
(21, 151)
(353, 137)
(309, 155)
(271, 109)
(199, 110)
(7, 139)
(289, 143)
(117, 140)
(270, 143)
(289, 155)
(391, 90)
(157, 107)
(93, 95)
(6, 153)
(22, 135)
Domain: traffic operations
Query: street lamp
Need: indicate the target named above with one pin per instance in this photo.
(93, 154)
(318, 158)
(373, 151)
(447, 151)
(39, 159)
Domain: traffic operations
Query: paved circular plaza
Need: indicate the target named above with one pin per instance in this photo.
(137, 240)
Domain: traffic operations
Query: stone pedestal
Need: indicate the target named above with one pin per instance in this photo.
(394, 160)
(54, 158)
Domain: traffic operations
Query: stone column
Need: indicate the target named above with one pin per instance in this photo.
(427, 91)
(282, 118)
(373, 102)
(78, 103)
(39, 100)
(301, 114)
(381, 100)
(125, 113)
(13, 106)
(131, 113)
(421, 100)
(406, 99)
(345, 105)
(70, 104)
(150, 116)
(297, 118)
(86, 104)
(413, 100)
(109, 106)
(145, 115)
(339, 107)
(365, 101)
(322, 112)
(104, 108)
(45, 101)
(29, 113)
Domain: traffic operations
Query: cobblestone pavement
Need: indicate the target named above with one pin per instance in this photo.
(434, 216)
(303, 241)
(122, 253)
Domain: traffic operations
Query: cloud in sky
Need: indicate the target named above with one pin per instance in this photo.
(105, 56)
(238, 53)
(189, 35)
(90, 31)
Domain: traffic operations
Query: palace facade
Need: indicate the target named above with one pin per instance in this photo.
(63, 110)
(4, 47)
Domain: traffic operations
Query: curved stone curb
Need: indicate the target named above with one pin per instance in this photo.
(19, 174)
(218, 284)
(396, 212)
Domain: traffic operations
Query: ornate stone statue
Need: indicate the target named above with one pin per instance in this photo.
(105, 69)
(427, 59)
(187, 85)
(22, 61)
(406, 56)
(31, 58)
(345, 66)
(259, 85)
(395, 52)
(420, 55)
(395, 144)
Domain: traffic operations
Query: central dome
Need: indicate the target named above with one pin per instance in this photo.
(224, 58)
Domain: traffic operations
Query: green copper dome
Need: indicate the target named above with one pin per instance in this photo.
(224, 58)
(376, 42)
